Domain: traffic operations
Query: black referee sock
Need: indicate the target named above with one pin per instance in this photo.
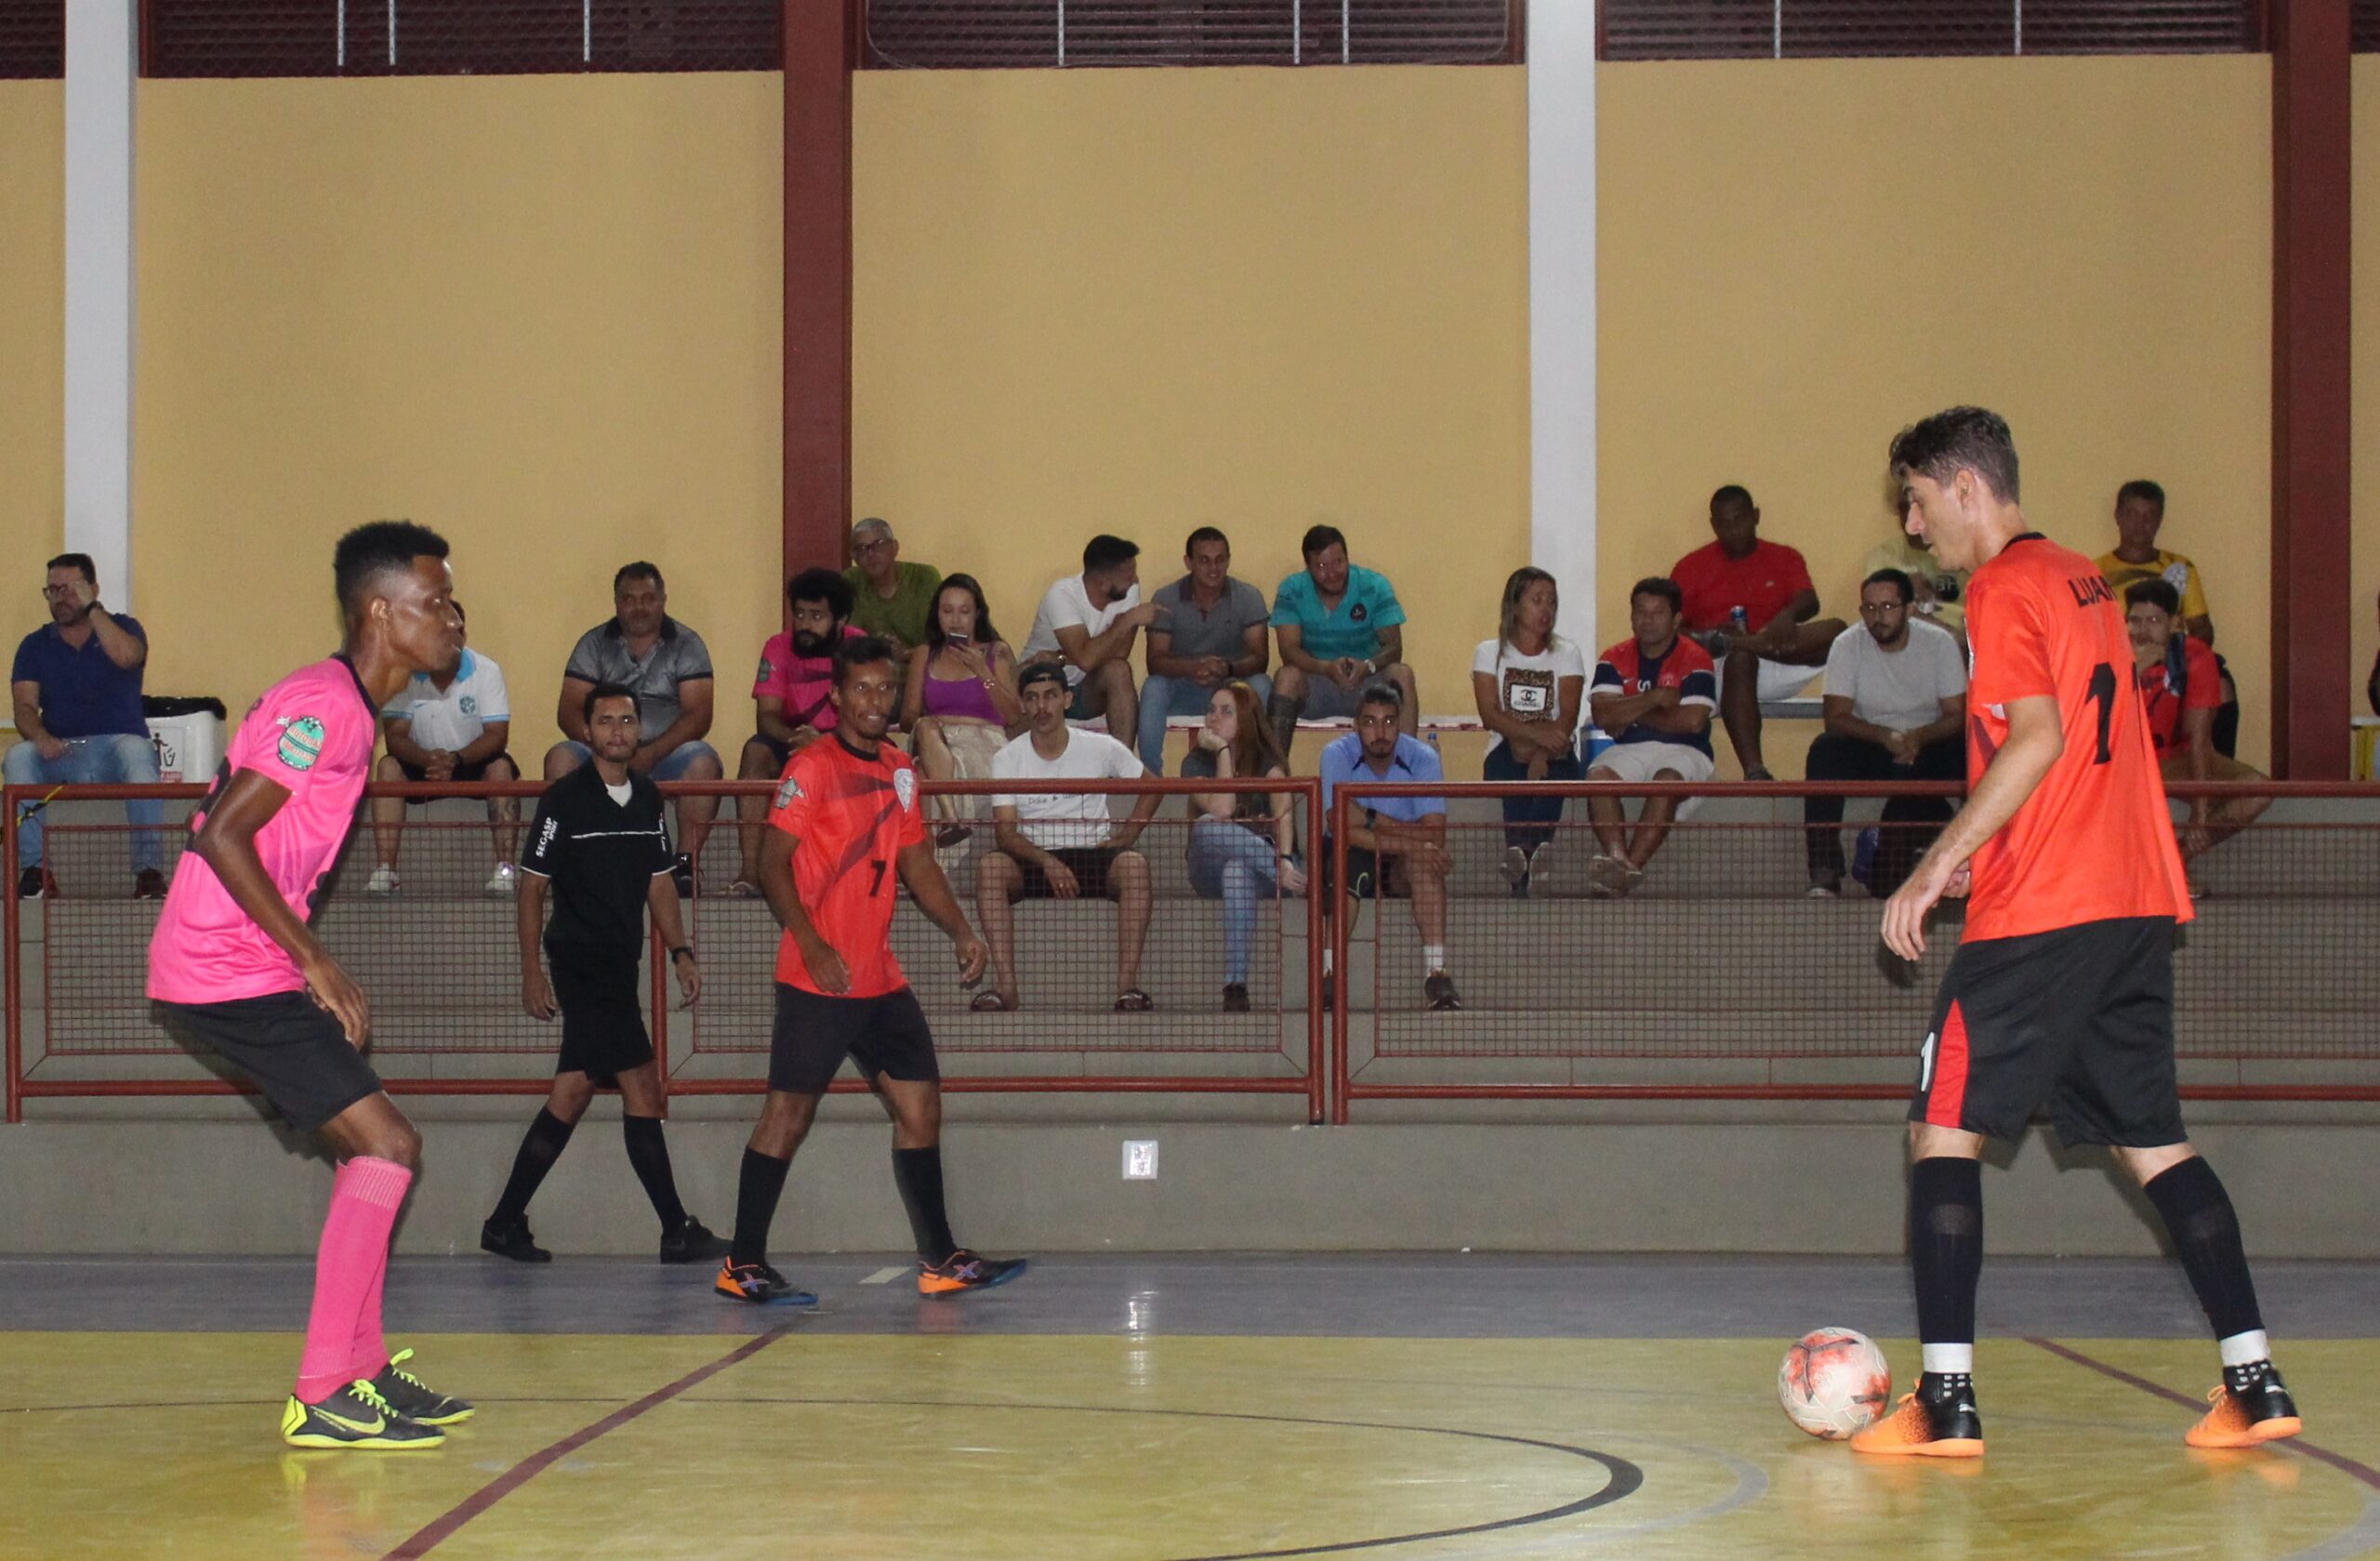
(2205, 1229)
(919, 1174)
(1945, 1245)
(759, 1186)
(543, 1144)
(649, 1154)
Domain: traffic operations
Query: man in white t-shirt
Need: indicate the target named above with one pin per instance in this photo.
(449, 726)
(1063, 847)
(1088, 624)
(1895, 709)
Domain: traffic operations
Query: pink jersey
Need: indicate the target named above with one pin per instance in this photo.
(312, 734)
(802, 683)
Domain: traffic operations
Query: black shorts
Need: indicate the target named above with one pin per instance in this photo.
(782, 751)
(476, 772)
(886, 1034)
(602, 1010)
(1090, 864)
(1364, 876)
(290, 1048)
(2079, 1019)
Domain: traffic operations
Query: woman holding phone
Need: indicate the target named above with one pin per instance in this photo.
(960, 701)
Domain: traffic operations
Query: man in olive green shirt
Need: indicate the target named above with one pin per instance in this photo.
(890, 598)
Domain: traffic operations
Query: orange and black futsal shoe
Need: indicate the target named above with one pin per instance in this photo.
(1935, 1421)
(2256, 1410)
(963, 1271)
(760, 1285)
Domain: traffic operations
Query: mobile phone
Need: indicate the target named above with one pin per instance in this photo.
(958, 639)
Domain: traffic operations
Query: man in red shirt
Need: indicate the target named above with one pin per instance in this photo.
(2181, 683)
(2062, 993)
(1750, 604)
(844, 833)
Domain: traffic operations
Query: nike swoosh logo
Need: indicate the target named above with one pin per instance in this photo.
(360, 1427)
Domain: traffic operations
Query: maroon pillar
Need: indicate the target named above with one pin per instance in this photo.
(2312, 595)
(821, 46)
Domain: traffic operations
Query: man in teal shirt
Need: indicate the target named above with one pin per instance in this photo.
(1339, 627)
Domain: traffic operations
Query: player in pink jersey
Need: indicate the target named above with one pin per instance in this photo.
(235, 970)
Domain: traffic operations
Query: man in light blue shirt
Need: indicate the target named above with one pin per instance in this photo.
(1396, 846)
(1339, 629)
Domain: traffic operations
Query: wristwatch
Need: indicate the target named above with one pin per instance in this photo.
(682, 952)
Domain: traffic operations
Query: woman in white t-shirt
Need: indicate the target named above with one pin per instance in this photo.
(1528, 682)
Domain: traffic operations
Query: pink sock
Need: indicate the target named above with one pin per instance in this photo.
(371, 1352)
(348, 1266)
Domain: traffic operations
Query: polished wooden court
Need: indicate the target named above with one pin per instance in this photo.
(1153, 1410)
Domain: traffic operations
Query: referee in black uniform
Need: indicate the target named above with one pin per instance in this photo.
(603, 842)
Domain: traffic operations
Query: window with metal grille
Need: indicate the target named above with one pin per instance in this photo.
(33, 40)
(457, 37)
(979, 34)
(1806, 28)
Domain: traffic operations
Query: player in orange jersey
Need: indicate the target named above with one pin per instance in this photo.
(844, 833)
(2062, 993)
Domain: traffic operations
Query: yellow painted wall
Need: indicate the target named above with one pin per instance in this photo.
(1797, 259)
(33, 341)
(1144, 301)
(2365, 391)
(540, 314)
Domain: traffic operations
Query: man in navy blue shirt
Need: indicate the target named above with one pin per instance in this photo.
(1395, 845)
(77, 692)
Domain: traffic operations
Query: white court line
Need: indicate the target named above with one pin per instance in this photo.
(884, 1276)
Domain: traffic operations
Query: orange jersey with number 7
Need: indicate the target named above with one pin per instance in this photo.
(851, 817)
(2094, 841)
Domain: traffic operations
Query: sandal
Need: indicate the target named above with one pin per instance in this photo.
(744, 889)
(991, 1002)
(952, 834)
(1134, 1001)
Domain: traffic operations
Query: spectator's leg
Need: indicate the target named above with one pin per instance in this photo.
(1906, 834)
(561, 758)
(1110, 691)
(1739, 710)
(1231, 862)
(132, 760)
(997, 882)
(1428, 887)
(1653, 824)
(1288, 699)
(1501, 767)
(503, 812)
(757, 763)
(694, 813)
(1127, 879)
(1156, 703)
(1833, 757)
(1409, 720)
(1543, 815)
(1610, 818)
(2233, 814)
(25, 766)
(2227, 715)
(388, 813)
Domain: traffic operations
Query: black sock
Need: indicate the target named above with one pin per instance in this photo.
(1945, 1245)
(2199, 1216)
(919, 1174)
(649, 1154)
(543, 1144)
(759, 1186)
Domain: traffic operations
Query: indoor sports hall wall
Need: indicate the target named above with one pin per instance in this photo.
(1798, 258)
(33, 337)
(2365, 390)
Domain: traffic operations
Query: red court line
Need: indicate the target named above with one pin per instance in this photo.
(2344, 1464)
(442, 1527)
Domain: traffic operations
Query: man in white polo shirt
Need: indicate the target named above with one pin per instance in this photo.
(449, 726)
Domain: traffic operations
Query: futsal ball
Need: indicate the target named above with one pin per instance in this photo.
(1833, 1383)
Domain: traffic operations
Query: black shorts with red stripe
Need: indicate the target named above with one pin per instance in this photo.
(2076, 1023)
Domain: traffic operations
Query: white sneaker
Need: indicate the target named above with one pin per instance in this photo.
(384, 881)
(500, 881)
(1515, 867)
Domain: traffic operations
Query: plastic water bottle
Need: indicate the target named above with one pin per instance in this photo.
(1863, 855)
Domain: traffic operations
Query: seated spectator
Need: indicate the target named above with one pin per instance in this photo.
(1243, 844)
(1399, 849)
(1528, 682)
(668, 666)
(1895, 709)
(1208, 631)
(449, 726)
(1750, 604)
(1342, 628)
(890, 600)
(1939, 592)
(793, 703)
(2140, 514)
(76, 688)
(1063, 847)
(961, 702)
(1086, 625)
(2178, 684)
(1653, 693)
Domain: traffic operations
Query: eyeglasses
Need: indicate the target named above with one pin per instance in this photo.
(55, 591)
(876, 545)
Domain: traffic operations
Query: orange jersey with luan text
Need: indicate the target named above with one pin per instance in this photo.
(2094, 841)
(850, 818)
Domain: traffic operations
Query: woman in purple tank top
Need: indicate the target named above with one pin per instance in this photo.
(961, 702)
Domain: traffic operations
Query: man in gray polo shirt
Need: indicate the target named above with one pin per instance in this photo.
(667, 664)
(1210, 630)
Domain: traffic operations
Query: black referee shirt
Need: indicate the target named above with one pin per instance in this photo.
(601, 857)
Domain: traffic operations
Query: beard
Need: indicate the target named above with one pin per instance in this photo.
(807, 644)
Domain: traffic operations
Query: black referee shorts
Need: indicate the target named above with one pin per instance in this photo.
(602, 1010)
(886, 1034)
(290, 1047)
(2077, 1019)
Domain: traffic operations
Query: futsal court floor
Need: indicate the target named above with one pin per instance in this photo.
(1163, 1409)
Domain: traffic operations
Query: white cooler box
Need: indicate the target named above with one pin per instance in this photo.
(189, 748)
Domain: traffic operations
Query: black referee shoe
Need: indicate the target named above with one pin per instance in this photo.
(510, 1239)
(693, 1242)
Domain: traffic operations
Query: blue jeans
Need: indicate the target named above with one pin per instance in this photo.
(117, 760)
(1234, 864)
(1162, 698)
(1528, 820)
